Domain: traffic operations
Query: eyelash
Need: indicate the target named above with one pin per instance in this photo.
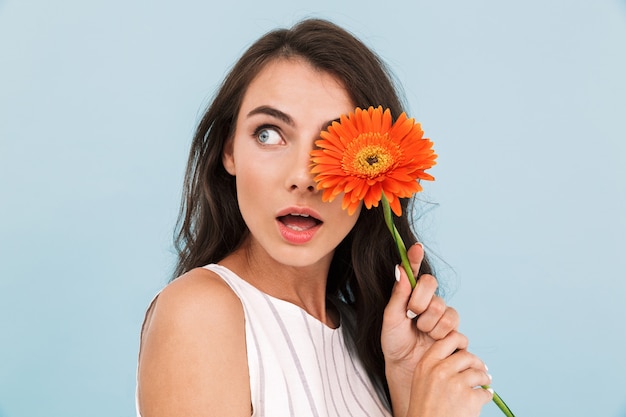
(261, 128)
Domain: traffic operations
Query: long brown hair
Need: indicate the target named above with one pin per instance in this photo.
(210, 225)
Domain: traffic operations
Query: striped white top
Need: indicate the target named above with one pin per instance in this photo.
(298, 365)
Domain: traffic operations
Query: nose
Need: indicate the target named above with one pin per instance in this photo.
(300, 177)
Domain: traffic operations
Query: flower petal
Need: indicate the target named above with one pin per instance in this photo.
(366, 154)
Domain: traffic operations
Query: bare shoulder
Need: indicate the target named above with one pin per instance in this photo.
(193, 350)
(194, 297)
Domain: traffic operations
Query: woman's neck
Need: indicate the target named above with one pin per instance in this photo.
(302, 286)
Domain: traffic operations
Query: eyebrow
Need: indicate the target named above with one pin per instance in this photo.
(270, 111)
(280, 115)
(329, 123)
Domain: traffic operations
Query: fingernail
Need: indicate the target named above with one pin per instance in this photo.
(490, 390)
(397, 273)
(486, 367)
(419, 243)
(490, 377)
(410, 314)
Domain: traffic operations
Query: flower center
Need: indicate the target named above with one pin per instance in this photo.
(372, 159)
(369, 156)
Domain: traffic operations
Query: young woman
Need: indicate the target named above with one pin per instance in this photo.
(286, 305)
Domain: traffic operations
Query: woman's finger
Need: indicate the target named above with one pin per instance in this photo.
(422, 295)
(453, 343)
(463, 360)
(397, 306)
(416, 255)
(438, 320)
(476, 377)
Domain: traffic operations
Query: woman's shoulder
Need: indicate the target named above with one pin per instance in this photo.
(195, 297)
(192, 330)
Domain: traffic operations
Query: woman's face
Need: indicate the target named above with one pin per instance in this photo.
(283, 111)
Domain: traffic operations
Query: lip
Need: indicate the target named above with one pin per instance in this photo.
(298, 237)
(299, 210)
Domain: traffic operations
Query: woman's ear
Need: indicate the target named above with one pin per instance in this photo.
(228, 159)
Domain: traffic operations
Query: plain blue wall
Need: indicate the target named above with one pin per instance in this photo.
(526, 104)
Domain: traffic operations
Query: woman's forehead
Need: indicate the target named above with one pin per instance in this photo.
(294, 85)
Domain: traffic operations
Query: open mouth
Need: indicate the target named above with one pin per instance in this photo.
(299, 222)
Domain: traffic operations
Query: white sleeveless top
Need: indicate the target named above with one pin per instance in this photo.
(299, 366)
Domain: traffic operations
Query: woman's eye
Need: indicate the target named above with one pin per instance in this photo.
(268, 136)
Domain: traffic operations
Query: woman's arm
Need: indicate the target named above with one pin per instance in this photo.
(193, 358)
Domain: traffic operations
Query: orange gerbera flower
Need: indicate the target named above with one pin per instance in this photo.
(365, 155)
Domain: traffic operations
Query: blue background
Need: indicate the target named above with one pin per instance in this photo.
(525, 101)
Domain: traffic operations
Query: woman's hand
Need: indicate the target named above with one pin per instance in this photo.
(413, 322)
(414, 319)
(447, 381)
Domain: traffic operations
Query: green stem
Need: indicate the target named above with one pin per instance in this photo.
(398, 239)
(409, 271)
(501, 404)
